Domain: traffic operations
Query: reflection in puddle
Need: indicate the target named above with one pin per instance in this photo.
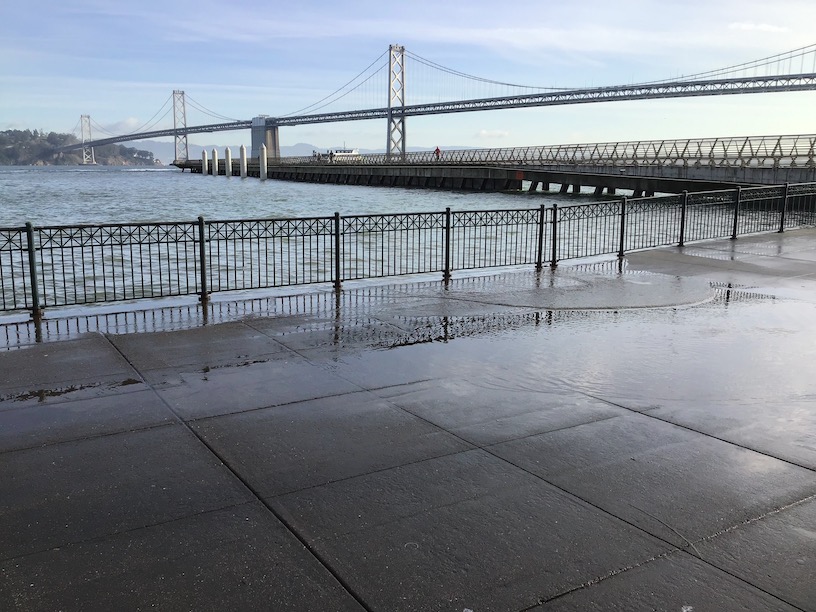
(41, 395)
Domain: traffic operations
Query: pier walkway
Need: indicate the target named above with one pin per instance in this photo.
(593, 437)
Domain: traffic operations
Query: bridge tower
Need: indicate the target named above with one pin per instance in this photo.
(87, 151)
(396, 99)
(180, 121)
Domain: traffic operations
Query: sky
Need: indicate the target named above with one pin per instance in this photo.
(119, 62)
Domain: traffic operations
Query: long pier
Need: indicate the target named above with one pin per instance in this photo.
(566, 178)
(644, 167)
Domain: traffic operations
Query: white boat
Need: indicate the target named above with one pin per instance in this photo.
(346, 153)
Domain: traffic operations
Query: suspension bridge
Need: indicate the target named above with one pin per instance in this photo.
(442, 90)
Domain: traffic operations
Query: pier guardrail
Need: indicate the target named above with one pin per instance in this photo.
(46, 267)
(743, 152)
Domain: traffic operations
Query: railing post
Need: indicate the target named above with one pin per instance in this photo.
(736, 213)
(554, 253)
(621, 248)
(542, 212)
(683, 204)
(784, 209)
(337, 251)
(202, 261)
(446, 238)
(32, 273)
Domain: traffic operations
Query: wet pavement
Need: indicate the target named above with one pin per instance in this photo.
(607, 436)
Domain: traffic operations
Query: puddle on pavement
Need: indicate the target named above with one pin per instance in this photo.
(42, 395)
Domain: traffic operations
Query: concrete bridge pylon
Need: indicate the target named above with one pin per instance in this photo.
(266, 134)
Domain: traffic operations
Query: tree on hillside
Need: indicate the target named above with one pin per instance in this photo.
(26, 147)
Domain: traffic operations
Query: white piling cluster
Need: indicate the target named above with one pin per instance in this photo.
(211, 167)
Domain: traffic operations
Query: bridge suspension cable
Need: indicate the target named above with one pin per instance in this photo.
(347, 88)
(772, 65)
(441, 68)
(434, 89)
(210, 113)
(99, 128)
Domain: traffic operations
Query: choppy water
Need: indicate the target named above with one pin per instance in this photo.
(88, 194)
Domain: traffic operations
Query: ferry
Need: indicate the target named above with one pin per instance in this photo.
(346, 153)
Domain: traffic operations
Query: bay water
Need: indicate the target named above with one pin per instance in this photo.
(74, 195)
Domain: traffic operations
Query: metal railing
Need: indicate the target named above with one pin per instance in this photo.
(46, 267)
(750, 151)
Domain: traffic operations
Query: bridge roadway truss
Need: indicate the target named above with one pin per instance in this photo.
(675, 89)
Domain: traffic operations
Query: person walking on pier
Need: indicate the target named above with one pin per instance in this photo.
(437, 153)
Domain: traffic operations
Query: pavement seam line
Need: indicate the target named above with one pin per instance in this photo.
(673, 547)
(648, 413)
(303, 541)
(298, 401)
(569, 494)
(85, 438)
(101, 538)
(665, 555)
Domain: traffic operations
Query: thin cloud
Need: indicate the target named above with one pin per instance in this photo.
(492, 134)
(756, 27)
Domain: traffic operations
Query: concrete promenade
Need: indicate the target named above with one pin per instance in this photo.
(596, 437)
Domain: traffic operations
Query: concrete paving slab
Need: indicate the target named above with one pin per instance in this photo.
(504, 550)
(487, 410)
(358, 504)
(438, 524)
(238, 388)
(39, 425)
(784, 427)
(62, 365)
(777, 553)
(238, 558)
(671, 482)
(71, 492)
(201, 346)
(293, 447)
(674, 582)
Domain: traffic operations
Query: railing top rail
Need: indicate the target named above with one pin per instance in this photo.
(269, 220)
(403, 214)
(771, 147)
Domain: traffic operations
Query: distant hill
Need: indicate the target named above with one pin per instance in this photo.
(166, 151)
(35, 148)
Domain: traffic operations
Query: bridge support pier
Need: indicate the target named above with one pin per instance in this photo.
(267, 135)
